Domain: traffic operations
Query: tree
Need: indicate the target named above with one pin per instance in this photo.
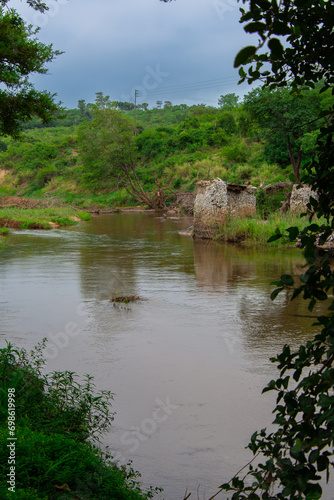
(124, 106)
(21, 55)
(108, 152)
(82, 106)
(285, 117)
(102, 101)
(228, 101)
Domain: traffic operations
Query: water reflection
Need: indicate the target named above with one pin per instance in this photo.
(201, 340)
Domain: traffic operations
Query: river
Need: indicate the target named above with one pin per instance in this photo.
(186, 364)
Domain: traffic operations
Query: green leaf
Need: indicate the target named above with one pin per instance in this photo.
(311, 305)
(276, 48)
(322, 463)
(313, 457)
(255, 27)
(314, 495)
(242, 72)
(296, 292)
(325, 400)
(244, 55)
(297, 449)
(225, 486)
(293, 233)
(320, 295)
(274, 237)
(302, 483)
(280, 28)
(271, 386)
(313, 227)
(287, 280)
(276, 292)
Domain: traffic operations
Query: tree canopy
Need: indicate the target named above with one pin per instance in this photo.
(287, 119)
(295, 45)
(228, 101)
(22, 55)
(108, 152)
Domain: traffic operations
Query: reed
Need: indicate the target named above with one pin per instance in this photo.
(254, 230)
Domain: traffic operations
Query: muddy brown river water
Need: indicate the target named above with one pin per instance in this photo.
(186, 365)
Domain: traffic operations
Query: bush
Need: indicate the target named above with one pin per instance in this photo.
(44, 176)
(267, 204)
(236, 152)
(57, 415)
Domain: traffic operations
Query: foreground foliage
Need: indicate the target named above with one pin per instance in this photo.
(292, 460)
(21, 56)
(55, 416)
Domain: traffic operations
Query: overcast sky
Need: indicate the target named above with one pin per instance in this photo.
(181, 51)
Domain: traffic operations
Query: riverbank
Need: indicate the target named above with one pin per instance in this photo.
(253, 231)
(24, 213)
(48, 424)
(256, 230)
(27, 213)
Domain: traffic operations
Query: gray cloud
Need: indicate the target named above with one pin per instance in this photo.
(113, 45)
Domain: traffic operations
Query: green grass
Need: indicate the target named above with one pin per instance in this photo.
(255, 230)
(56, 420)
(3, 241)
(24, 218)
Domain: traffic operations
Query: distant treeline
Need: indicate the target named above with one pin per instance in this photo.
(266, 138)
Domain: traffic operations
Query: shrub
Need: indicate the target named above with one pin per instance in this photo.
(56, 416)
(267, 204)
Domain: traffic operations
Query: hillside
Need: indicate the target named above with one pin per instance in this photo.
(175, 146)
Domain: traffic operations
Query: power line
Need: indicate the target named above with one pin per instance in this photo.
(191, 87)
(215, 82)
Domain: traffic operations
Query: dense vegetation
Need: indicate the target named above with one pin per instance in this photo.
(171, 149)
(234, 142)
(54, 415)
(22, 56)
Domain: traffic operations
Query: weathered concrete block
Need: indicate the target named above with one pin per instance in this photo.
(300, 197)
(215, 201)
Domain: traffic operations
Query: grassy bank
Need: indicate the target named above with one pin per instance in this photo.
(38, 218)
(3, 232)
(54, 419)
(257, 231)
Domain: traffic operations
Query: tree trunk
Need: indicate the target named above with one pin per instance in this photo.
(294, 162)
